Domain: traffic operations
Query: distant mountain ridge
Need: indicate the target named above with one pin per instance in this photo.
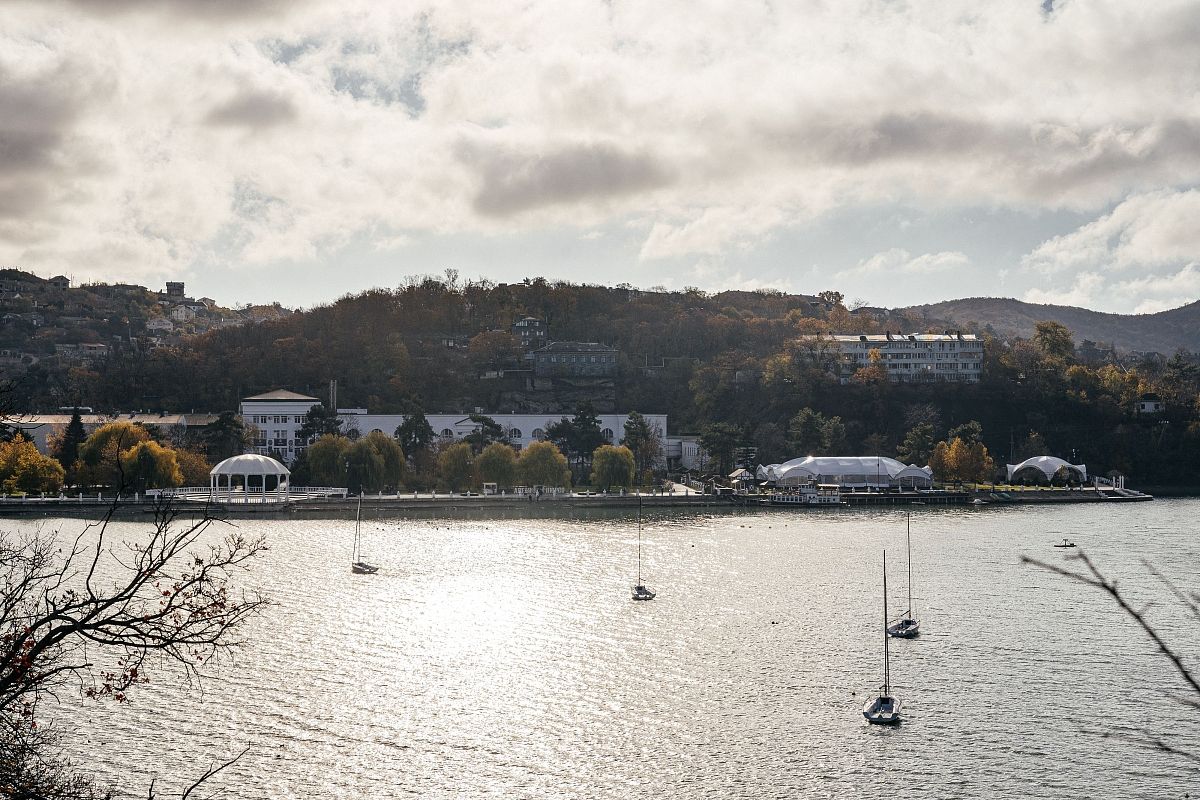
(1164, 332)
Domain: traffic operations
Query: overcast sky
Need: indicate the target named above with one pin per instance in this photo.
(900, 152)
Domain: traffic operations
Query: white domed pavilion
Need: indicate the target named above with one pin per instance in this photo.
(249, 475)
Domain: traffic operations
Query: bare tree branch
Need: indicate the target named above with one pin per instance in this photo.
(1098, 580)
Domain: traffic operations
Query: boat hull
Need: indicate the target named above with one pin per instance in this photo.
(363, 568)
(642, 593)
(882, 711)
(904, 629)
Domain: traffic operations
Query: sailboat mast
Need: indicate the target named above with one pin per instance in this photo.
(639, 583)
(887, 678)
(357, 522)
(909, 545)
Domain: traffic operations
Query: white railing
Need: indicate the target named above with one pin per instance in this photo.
(208, 494)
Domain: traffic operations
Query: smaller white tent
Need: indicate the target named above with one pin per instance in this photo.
(1048, 466)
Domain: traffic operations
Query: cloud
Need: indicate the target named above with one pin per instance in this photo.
(512, 181)
(253, 109)
(143, 137)
(898, 261)
(1143, 254)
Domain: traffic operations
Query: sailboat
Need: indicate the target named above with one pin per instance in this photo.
(358, 565)
(640, 590)
(884, 709)
(907, 627)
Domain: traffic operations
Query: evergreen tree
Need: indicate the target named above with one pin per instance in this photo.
(415, 434)
(67, 452)
(644, 441)
(917, 445)
(319, 421)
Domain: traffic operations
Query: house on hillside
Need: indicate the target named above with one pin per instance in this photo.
(575, 359)
(1149, 404)
(531, 332)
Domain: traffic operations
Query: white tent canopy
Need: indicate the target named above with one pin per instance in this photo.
(862, 471)
(1048, 466)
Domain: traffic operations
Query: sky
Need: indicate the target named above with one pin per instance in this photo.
(898, 152)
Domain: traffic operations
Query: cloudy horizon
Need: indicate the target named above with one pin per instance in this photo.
(296, 151)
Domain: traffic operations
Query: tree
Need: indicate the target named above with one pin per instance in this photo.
(1054, 340)
(149, 465)
(644, 441)
(67, 452)
(494, 350)
(167, 599)
(100, 454)
(226, 436)
(612, 466)
(363, 467)
(23, 469)
(486, 431)
(577, 437)
(1139, 613)
(415, 434)
(497, 464)
(391, 460)
(939, 461)
(805, 432)
(543, 464)
(833, 437)
(970, 432)
(456, 466)
(326, 460)
(917, 446)
(771, 443)
(319, 421)
(194, 467)
(1033, 445)
(720, 440)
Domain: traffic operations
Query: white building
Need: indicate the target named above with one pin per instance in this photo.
(278, 416)
(40, 427)
(953, 357)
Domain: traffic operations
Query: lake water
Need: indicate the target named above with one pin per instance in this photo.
(503, 657)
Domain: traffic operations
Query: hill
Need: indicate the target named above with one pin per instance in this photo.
(1164, 332)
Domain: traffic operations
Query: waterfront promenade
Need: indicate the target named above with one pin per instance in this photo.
(337, 505)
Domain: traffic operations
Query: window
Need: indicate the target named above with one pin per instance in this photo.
(515, 433)
(447, 433)
(539, 434)
(608, 434)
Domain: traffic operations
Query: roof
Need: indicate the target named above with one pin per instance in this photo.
(882, 338)
(842, 465)
(576, 347)
(1049, 465)
(249, 464)
(281, 395)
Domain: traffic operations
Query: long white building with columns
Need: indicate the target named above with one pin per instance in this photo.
(278, 415)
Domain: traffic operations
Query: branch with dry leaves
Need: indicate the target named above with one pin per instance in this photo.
(97, 615)
(1093, 577)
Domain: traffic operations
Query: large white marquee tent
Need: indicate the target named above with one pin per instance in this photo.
(848, 471)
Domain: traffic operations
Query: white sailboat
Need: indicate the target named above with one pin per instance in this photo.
(359, 565)
(884, 709)
(640, 590)
(908, 626)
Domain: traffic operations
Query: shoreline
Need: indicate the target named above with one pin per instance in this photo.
(517, 506)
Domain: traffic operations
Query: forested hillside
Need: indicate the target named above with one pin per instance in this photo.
(742, 368)
(1164, 332)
